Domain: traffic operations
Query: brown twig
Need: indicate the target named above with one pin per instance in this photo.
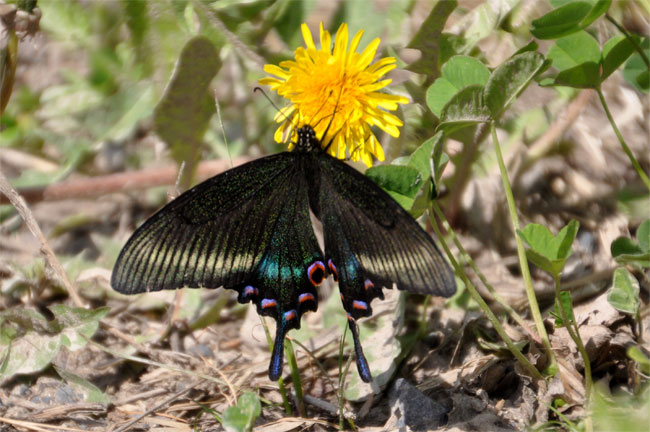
(19, 203)
(121, 182)
(40, 427)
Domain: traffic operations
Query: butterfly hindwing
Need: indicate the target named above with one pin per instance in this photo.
(212, 235)
(371, 242)
(284, 284)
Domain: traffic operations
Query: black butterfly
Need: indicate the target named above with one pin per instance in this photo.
(249, 229)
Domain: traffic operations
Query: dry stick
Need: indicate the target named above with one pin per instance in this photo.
(19, 204)
(144, 395)
(157, 407)
(120, 182)
(41, 427)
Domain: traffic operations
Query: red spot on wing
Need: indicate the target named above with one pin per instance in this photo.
(361, 305)
(306, 297)
(316, 273)
(268, 303)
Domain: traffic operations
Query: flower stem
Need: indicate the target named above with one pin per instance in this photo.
(626, 149)
(485, 308)
(295, 377)
(523, 262)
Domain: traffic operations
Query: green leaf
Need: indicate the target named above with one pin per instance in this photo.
(571, 51)
(547, 251)
(457, 73)
(530, 46)
(615, 52)
(566, 303)
(566, 236)
(577, 57)
(624, 293)
(422, 199)
(465, 108)
(430, 160)
(625, 251)
(242, 416)
(510, 78)
(427, 38)
(401, 179)
(439, 159)
(480, 22)
(561, 21)
(643, 235)
(599, 8)
(553, 267)
(636, 72)
(638, 356)
(29, 342)
(624, 246)
(421, 157)
(403, 183)
(182, 116)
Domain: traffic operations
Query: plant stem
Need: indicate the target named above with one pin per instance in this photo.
(511, 312)
(295, 377)
(572, 328)
(637, 47)
(626, 149)
(485, 308)
(343, 372)
(523, 262)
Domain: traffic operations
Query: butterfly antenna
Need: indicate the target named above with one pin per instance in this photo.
(336, 106)
(261, 90)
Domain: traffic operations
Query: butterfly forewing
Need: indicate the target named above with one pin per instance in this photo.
(212, 235)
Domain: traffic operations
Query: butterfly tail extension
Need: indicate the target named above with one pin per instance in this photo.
(277, 356)
(362, 363)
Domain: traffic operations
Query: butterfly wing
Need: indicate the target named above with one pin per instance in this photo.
(247, 229)
(372, 242)
(196, 239)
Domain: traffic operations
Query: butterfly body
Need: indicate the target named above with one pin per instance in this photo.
(249, 229)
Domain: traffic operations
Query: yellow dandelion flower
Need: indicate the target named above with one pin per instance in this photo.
(340, 86)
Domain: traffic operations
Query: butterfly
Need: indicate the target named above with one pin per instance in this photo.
(249, 229)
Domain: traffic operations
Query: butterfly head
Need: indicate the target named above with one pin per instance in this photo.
(307, 139)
